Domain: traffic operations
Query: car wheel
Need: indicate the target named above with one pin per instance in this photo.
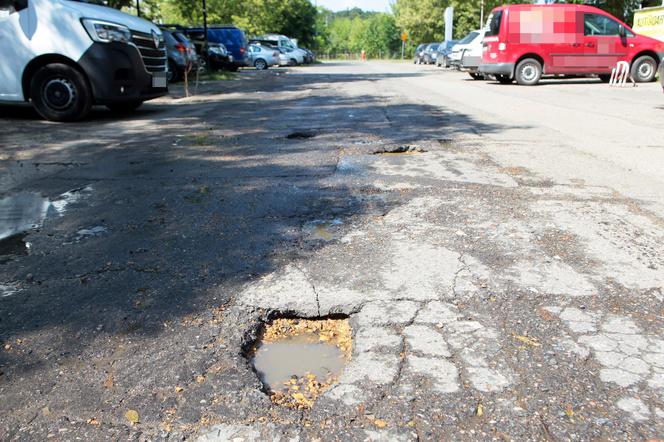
(60, 93)
(528, 72)
(476, 76)
(504, 79)
(292, 62)
(125, 106)
(260, 64)
(644, 69)
(173, 74)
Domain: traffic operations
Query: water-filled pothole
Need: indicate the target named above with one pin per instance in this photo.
(299, 359)
(320, 230)
(398, 150)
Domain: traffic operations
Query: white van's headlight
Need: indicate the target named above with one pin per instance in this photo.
(106, 32)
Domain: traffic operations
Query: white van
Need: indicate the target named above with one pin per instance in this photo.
(64, 56)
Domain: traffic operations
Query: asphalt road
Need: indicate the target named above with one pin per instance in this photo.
(504, 278)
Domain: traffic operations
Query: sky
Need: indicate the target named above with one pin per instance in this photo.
(367, 5)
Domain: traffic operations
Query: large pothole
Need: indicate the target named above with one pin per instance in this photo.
(297, 360)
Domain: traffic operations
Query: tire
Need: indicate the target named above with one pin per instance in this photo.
(528, 72)
(644, 69)
(60, 92)
(503, 79)
(260, 64)
(605, 78)
(292, 62)
(476, 76)
(124, 107)
(173, 72)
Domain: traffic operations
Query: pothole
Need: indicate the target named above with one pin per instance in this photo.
(405, 149)
(301, 135)
(320, 230)
(12, 246)
(297, 360)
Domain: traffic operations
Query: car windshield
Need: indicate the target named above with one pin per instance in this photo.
(468, 38)
(493, 23)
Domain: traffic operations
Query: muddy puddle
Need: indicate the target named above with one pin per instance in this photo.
(299, 359)
(320, 230)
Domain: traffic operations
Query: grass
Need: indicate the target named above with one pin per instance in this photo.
(214, 76)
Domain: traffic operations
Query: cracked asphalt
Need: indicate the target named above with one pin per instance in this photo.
(503, 276)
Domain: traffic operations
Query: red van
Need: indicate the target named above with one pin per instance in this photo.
(524, 42)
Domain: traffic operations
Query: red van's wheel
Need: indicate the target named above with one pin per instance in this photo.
(644, 69)
(528, 72)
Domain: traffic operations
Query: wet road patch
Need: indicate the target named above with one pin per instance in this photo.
(299, 359)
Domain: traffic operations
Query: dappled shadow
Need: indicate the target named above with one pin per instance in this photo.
(194, 195)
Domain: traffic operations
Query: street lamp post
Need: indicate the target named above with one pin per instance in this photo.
(205, 34)
(481, 13)
(138, 8)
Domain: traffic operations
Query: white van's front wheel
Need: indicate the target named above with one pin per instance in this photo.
(60, 93)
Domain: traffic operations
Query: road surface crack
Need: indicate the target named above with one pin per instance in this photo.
(313, 286)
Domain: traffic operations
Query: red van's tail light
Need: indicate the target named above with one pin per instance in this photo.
(181, 48)
(502, 46)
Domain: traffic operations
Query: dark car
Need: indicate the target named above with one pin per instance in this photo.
(429, 54)
(216, 56)
(231, 38)
(181, 54)
(419, 52)
(444, 49)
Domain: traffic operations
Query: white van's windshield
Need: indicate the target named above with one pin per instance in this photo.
(468, 38)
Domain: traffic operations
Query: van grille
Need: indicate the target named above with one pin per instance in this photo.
(154, 59)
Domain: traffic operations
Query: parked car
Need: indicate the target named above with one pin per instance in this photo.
(443, 52)
(283, 41)
(263, 57)
(471, 43)
(67, 56)
(471, 57)
(284, 58)
(419, 53)
(429, 55)
(224, 38)
(181, 53)
(295, 56)
(215, 57)
(584, 41)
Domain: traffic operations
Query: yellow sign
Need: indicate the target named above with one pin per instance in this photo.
(650, 22)
(404, 36)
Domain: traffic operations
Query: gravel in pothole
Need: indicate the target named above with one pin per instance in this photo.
(299, 359)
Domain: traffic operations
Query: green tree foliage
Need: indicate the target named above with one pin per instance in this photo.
(355, 30)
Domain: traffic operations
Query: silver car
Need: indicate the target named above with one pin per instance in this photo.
(263, 57)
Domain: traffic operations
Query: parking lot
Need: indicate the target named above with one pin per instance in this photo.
(497, 249)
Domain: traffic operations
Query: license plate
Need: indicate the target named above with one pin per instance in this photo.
(159, 79)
